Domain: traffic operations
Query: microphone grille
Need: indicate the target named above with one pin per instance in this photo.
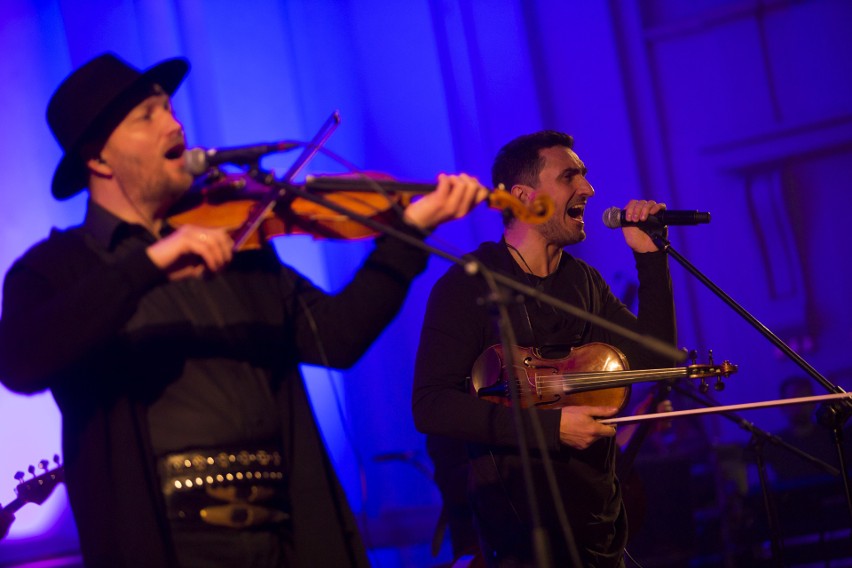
(612, 217)
(195, 160)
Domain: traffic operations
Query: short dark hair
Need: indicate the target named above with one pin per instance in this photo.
(519, 161)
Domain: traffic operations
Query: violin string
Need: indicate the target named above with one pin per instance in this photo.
(371, 182)
(446, 245)
(609, 376)
(602, 384)
(614, 375)
(614, 379)
(595, 384)
(585, 380)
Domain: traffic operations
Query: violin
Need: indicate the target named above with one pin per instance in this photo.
(595, 374)
(253, 210)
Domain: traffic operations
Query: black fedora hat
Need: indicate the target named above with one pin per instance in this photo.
(92, 101)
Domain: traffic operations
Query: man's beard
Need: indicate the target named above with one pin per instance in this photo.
(555, 231)
(163, 193)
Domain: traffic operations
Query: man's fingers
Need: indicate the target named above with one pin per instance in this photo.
(453, 198)
(191, 245)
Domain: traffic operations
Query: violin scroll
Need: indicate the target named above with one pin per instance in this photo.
(539, 210)
(720, 372)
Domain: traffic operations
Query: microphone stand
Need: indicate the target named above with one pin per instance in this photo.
(498, 301)
(833, 414)
(285, 191)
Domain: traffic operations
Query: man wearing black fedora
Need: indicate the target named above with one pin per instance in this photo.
(188, 437)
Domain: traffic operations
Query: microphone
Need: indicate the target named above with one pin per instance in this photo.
(199, 160)
(614, 218)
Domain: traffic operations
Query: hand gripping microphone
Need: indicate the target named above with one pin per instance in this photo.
(614, 218)
(199, 160)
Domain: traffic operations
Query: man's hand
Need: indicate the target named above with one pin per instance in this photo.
(453, 198)
(579, 429)
(639, 210)
(191, 251)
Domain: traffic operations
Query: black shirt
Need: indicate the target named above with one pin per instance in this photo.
(457, 329)
(136, 362)
(219, 396)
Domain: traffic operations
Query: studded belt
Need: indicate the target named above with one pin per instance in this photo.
(236, 489)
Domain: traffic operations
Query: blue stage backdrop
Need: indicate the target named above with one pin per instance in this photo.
(738, 107)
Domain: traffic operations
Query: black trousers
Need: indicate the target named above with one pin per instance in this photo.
(200, 547)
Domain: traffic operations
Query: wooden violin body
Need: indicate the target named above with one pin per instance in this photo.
(539, 378)
(595, 374)
(228, 202)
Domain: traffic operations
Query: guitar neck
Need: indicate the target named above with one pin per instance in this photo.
(34, 490)
(7, 515)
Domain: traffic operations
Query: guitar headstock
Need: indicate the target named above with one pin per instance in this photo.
(39, 488)
(703, 372)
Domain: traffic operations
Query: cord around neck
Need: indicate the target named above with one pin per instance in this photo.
(527, 266)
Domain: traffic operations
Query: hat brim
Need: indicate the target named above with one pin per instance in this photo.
(72, 175)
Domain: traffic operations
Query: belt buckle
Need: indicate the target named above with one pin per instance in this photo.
(240, 515)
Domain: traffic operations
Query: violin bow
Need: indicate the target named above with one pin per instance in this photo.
(272, 198)
(729, 408)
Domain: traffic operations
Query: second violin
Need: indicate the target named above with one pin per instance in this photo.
(595, 374)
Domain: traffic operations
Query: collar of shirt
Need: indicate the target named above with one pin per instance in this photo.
(109, 230)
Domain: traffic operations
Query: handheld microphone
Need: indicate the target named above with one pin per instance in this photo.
(614, 218)
(199, 160)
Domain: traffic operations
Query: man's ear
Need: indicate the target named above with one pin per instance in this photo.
(99, 167)
(522, 192)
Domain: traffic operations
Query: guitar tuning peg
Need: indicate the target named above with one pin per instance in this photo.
(56, 459)
(693, 356)
(19, 476)
(719, 386)
(31, 469)
(703, 387)
(710, 357)
(43, 464)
